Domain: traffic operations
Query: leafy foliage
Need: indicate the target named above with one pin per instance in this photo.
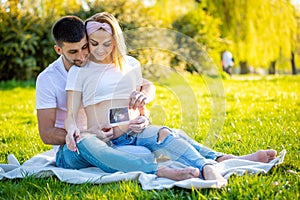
(24, 46)
(27, 45)
(256, 29)
(252, 30)
(204, 29)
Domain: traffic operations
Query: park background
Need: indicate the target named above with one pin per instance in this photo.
(263, 35)
(262, 110)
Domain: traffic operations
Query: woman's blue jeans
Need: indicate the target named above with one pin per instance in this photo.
(177, 146)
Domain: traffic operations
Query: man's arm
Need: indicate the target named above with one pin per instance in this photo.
(46, 124)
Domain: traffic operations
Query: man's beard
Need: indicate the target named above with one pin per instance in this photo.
(75, 62)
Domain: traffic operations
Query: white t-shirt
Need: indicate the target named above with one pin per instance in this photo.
(51, 93)
(100, 82)
(227, 59)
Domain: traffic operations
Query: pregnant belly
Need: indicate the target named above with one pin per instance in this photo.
(98, 115)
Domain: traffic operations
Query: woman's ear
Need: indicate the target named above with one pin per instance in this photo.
(114, 43)
(58, 49)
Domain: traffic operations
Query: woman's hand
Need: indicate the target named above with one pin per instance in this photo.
(137, 100)
(138, 124)
(103, 133)
(71, 137)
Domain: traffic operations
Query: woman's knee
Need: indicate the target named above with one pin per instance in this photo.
(163, 133)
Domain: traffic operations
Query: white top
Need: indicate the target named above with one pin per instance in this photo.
(100, 82)
(51, 93)
(227, 59)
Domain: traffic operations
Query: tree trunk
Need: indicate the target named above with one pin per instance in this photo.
(272, 68)
(294, 70)
(244, 67)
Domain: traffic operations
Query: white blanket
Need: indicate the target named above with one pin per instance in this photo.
(43, 165)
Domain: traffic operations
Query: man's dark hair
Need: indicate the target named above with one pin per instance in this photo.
(68, 29)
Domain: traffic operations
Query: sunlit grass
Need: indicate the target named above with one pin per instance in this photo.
(261, 112)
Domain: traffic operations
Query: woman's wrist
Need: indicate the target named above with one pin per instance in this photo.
(147, 119)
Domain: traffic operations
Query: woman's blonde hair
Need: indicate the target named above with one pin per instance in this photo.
(118, 54)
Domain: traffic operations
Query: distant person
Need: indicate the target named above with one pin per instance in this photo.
(227, 62)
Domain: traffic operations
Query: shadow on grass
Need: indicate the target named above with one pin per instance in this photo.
(8, 85)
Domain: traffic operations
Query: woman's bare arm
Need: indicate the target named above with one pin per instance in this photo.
(74, 101)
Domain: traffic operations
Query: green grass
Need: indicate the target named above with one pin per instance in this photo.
(261, 112)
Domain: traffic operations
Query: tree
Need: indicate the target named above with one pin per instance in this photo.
(54, 8)
(285, 33)
(26, 43)
(296, 53)
(257, 30)
(203, 28)
(167, 11)
(13, 6)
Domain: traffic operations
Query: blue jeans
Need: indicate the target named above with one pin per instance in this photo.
(94, 152)
(206, 152)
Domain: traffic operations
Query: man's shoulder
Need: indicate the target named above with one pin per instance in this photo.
(52, 75)
(52, 70)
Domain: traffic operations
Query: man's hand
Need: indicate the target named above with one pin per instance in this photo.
(71, 137)
(137, 100)
(138, 124)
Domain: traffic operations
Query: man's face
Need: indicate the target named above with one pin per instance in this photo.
(74, 53)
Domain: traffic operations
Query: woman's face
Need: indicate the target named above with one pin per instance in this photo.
(101, 45)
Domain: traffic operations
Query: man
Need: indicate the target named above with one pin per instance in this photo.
(72, 46)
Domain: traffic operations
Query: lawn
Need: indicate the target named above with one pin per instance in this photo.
(261, 112)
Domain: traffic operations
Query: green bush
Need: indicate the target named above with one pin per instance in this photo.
(27, 45)
(25, 41)
(203, 29)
